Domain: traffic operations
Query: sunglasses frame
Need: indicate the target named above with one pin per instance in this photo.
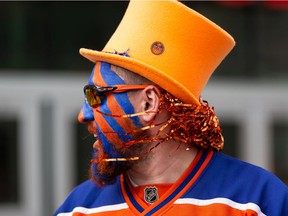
(98, 92)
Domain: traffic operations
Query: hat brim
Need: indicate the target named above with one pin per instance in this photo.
(145, 70)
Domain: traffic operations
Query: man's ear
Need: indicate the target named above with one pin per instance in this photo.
(150, 102)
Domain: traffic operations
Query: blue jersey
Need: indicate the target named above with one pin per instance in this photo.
(214, 184)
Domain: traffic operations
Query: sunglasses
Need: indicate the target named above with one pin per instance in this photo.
(94, 95)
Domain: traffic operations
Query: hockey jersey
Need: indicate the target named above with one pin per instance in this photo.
(213, 185)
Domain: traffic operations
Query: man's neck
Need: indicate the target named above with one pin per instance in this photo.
(165, 164)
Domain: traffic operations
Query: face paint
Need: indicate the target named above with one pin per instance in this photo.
(112, 132)
(86, 113)
(116, 130)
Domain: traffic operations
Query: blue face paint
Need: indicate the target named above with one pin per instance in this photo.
(105, 76)
(111, 78)
(87, 110)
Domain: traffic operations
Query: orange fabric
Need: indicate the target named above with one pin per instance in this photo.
(215, 209)
(192, 181)
(170, 190)
(193, 46)
(183, 210)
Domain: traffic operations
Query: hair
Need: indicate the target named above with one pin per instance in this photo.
(130, 77)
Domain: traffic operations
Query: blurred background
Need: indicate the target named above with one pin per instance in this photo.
(44, 152)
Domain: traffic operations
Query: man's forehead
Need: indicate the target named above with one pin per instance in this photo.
(104, 75)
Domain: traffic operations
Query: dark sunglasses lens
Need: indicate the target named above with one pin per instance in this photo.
(92, 97)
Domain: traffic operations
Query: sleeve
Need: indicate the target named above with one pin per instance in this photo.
(81, 196)
(274, 197)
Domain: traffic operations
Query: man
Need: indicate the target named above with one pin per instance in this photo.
(157, 142)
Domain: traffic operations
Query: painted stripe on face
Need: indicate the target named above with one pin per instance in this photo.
(111, 78)
(118, 103)
(106, 138)
(96, 78)
(86, 113)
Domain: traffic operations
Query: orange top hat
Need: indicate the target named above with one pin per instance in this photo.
(169, 44)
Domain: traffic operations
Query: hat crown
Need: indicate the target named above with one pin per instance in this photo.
(170, 44)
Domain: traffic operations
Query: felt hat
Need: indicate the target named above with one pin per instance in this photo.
(169, 44)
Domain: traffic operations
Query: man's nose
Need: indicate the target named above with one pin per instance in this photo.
(85, 114)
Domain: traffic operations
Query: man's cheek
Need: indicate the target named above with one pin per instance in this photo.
(118, 106)
(106, 133)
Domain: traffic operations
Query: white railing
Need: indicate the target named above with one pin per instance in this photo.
(253, 105)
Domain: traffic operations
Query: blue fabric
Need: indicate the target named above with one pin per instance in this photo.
(224, 177)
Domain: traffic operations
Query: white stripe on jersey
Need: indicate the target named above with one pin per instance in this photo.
(95, 210)
(231, 203)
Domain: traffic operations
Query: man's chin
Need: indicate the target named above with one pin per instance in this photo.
(105, 173)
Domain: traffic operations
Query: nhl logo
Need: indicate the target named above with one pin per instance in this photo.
(150, 194)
